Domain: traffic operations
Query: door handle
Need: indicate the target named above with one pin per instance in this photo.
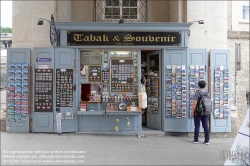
(74, 87)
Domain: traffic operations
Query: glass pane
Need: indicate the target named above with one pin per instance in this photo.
(116, 11)
(129, 11)
(133, 17)
(112, 11)
(133, 3)
(108, 11)
(125, 17)
(112, 2)
(125, 11)
(129, 3)
(133, 11)
(125, 3)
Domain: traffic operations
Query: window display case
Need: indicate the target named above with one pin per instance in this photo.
(122, 75)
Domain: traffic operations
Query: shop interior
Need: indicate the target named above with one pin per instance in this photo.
(97, 88)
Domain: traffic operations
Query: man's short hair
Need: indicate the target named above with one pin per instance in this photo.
(202, 84)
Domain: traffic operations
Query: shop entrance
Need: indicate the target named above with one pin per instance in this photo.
(151, 70)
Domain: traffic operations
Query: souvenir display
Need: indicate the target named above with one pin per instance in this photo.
(176, 91)
(64, 87)
(95, 73)
(196, 74)
(111, 107)
(105, 75)
(18, 91)
(221, 92)
(152, 89)
(122, 76)
(43, 90)
(83, 107)
(122, 107)
(184, 91)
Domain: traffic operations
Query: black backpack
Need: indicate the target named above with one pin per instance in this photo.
(204, 105)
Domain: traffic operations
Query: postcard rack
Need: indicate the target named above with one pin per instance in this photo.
(176, 91)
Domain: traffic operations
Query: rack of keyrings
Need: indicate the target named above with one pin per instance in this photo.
(18, 96)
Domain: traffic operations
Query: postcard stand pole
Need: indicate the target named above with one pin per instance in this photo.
(141, 134)
(58, 121)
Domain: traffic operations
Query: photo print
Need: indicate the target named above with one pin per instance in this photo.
(191, 67)
(216, 113)
(183, 80)
(168, 113)
(225, 114)
(202, 67)
(178, 102)
(183, 114)
(179, 113)
(183, 69)
(217, 69)
(221, 114)
(168, 96)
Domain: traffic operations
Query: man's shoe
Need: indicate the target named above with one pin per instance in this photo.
(206, 143)
(195, 142)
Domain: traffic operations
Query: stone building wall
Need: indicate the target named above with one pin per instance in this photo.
(82, 11)
(238, 33)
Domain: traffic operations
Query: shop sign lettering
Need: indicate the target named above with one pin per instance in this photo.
(123, 38)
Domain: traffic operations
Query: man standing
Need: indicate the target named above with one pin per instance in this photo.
(198, 114)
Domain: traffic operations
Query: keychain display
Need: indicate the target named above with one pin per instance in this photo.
(176, 99)
(122, 75)
(18, 91)
(95, 73)
(43, 90)
(105, 75)
(196, 74)
(64, 87)
(221, 91)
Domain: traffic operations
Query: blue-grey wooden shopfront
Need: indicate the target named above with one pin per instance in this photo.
(67, 57)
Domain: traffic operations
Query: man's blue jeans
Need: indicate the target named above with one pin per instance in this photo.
(204, 121)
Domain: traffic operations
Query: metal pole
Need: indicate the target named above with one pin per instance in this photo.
(239, 56)
(235, 82)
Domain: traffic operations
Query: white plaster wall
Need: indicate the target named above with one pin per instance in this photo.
(213, 33)
(25, 18)
(237, 25)
(25, 31)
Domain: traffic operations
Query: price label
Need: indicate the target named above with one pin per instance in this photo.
(133, 108)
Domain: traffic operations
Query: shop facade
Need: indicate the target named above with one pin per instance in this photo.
(94, 75)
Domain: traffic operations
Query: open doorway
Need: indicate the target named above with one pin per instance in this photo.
(150, 70)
